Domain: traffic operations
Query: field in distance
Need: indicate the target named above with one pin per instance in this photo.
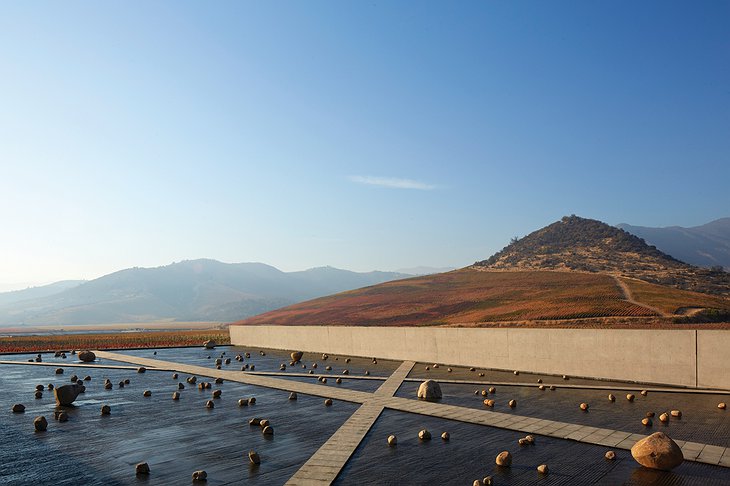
(115, 340)
(474, 296)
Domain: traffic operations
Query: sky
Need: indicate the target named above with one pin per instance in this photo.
(361, 135)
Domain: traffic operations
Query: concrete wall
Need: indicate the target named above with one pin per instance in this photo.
(713, 359)
(682, 357)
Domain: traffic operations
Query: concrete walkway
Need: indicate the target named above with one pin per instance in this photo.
(324, 466)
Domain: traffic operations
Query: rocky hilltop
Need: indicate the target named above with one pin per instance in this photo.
(588, 245)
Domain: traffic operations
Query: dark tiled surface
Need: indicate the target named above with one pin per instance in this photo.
(174, 437)
(471, 451)
(701, 420)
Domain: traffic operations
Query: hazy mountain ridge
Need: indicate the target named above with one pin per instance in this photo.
(581, 244)
(38, 291)
(192, 290)
(706, 245)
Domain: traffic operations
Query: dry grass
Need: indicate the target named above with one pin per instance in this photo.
(464, 296)
(672, 300)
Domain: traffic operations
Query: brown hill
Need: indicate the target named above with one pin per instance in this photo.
(588, 245)
(471, 296)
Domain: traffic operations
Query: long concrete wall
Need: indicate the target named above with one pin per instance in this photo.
(682, 357)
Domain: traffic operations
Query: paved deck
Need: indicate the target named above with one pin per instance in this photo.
(324, 466)
(327, 462)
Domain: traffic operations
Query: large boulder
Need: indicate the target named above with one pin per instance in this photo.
(296, 356)
(429, 390)
(87, 356)
(66, 394)
(657, 451)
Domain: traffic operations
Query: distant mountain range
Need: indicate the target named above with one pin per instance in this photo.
(706, 246)
(195, 290)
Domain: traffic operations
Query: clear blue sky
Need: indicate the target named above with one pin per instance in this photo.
(362, 135)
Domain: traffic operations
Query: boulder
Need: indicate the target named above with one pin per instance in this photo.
(657, 451)
(40, 424)
(445, 436)
(142, 468)
(630, 397)
(542, 469)
(18, 408)
(106, 410)
(722, 406)
(293, 396)
(87, 356)
(611, 397)
(176, 395)
(59, 371)
(296, 356)
(429, 390)
(489, 402)
(584, 406)
(87, 378)
(147, 393)
(610, 455)
(141, 369)
(62, 417)
(66, 394)
(209, 404)
(492, 390)
(268, 430)
(328, 402)
(252, 400)
(504, 459)
(646, 421)
(38, 395)
(530, 439)
(254, 458)
(243, 402)
(254, 421)
(216, 393)
(664, 418)
(424, 434)
(210, 344)
(676, 413)
(200, 475)
(512, 403)
(392, 440)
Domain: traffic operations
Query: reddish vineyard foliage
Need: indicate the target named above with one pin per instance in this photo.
(119, 340)
(466, 297)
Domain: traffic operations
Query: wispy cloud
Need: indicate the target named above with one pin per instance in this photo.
(392, 182)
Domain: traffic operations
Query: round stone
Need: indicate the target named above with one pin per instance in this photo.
(392, 440)
(584, 406)
(40, 424)
(504, 459)
(610, 455)
(424, 434)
